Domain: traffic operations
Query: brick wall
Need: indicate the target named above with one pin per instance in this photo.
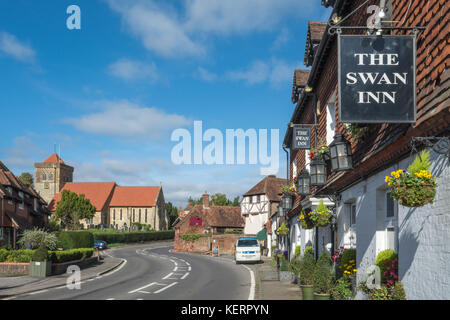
(14, 269)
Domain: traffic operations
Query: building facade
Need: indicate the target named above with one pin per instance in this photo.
(51, 176)
(21, 208)
(368, 219)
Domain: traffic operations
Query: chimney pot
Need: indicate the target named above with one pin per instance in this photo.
(205, 200)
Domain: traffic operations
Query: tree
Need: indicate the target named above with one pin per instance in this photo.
(72, 208)
(27, 179)
(218, 199)
(194, 202)
(172, 212)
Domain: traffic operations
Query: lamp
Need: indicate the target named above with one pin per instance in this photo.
(340, 154)
(304, 183)
(286, 202)
(280, 211)
(318, 171)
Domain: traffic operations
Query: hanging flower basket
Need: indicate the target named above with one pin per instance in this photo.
(321, 150)
(282, 231)
(321, 216)
(304, 220)
(291, 188)
(415, 187)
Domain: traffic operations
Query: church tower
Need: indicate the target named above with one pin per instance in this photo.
(51, 176)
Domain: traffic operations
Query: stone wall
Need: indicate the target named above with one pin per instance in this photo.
(225, 242)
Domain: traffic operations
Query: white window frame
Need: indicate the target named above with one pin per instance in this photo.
(390, 223)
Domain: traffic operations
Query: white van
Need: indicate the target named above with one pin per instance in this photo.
(247, 250)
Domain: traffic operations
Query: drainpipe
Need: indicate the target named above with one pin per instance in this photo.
(285, 214)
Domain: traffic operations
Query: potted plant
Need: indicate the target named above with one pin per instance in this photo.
(321, 216)
(277, 252)
(290, 188)
(416, 187)
(321, 150)
(323, 277)
(40, 265)
(282, 231)
(306, 270)
(284, 273)
(304, 220)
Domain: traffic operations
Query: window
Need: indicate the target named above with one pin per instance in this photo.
(114, 214)
(389, 206)
(35, 204)
(258, 198)
(120, 214)
(44, 177)
(134, 216)
(139, 215)
(352, 214)
(250, 199)
(50, 177)
(145, 215)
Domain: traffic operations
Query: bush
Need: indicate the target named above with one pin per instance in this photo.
(342, 289)
(379, 294)
(297, 251)
(383, 261)
(75, 239)
(41, 254)
(307, 267)
(19, 256)
(128, 237)
(398, 292)
(191, 237)
(71, 255)
(3, 255)
(323, 274)
(283, 264)
(35, 237)
(348, 256)
(294, 266)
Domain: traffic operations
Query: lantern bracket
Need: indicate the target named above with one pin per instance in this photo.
(440, 145)
(339, 29)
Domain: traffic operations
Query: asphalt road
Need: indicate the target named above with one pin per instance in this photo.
(155, 273)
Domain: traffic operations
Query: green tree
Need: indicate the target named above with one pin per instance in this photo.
(27, 179)
(72, 208)
(172, 212)
(194, 202)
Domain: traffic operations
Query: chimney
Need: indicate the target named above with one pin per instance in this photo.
(205, 200)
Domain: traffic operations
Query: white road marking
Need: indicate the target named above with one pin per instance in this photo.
(184, 277)
(168, 276)
(139, 289)
(110, 299)
(251, 296)
(38, 292)
(175, 269)
(165, 288)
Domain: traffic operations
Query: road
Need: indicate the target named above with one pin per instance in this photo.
(156, 273)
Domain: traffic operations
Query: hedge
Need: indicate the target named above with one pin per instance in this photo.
(136, 236)
(18, 256)
(75, 239)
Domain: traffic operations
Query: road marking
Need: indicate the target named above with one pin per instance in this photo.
(37, 292)
(251, 296)
(175, 269)
(184, 277)
(139, 289)
(110, 299)
(165, 288)
(168, 276)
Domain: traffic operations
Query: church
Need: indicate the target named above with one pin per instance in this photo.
(116, 206)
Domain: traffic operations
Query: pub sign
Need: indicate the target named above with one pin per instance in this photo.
(301, 138)
(377, 79)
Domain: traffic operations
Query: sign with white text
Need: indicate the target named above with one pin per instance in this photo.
(377, 79)
(301, 138)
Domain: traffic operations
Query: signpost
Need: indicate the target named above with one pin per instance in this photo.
(377, 79)
(301, 138)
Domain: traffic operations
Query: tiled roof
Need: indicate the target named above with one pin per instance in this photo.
(97, 192)
(300, 81)
(135, 196)
(270, 186)
(54, 158)
(219, 216)
(314, 36)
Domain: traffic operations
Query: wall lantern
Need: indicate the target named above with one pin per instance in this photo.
(304, 183)
(318, 171)
(280, 211)
(286, 202)
(340, 154)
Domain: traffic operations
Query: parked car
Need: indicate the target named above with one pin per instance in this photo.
(247, 250)
(100, 244)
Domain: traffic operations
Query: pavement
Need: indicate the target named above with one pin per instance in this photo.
(268, 287)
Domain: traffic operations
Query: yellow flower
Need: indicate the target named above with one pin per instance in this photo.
(354, 270)
(390, 184)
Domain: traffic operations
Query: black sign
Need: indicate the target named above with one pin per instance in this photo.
(301, 138)
(377, 79)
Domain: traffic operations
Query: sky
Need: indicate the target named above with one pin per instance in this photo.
(111, 94)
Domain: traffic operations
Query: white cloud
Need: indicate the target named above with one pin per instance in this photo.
(133, 70)
(281, 39)
(174, 32)
(206, 75)
(126, 119)
(275, 72)
(11, 46)
(23, 154)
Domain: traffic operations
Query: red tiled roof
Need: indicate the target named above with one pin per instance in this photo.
(270, 186)
(135, 197)
(219, 216)
(97, 192)
(54, 158)
(300, 81)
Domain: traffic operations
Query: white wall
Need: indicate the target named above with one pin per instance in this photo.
(423, 234)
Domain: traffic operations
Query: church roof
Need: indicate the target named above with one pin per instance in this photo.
(54, 158)
(135, 197)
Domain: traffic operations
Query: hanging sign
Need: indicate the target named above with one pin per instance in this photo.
(377, 79)
(301, 138)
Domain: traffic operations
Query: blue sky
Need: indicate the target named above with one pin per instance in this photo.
(112, 93)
